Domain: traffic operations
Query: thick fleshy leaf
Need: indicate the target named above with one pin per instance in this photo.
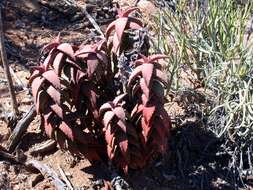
(101, 45)
(145, 89)
(86, 49)
(67, 130)
(122, 126)
(35, 74)
(158, 90)
(120, 26)
(136, 72)
(123, 144)
(103, 58)
(57, 109)
(150, 59)
(58, 63)
(52, 78)
(36, 85)
(92, 64)
(47, 124)
(144, 99)
(54, 94)
(72, 63)
(119, 99)
(135, 89)
(162, 134)
(134, 23)
(119, 112)
(148, 114)
(165, 118)
(137, 110)
(67, 49)
(108, 116)
(61, 139)
(147, 73)
(109, 136)
(146, 129)
(109, 29)
(105, 107)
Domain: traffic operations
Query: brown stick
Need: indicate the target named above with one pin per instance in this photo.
(6, 68)
(20, 129)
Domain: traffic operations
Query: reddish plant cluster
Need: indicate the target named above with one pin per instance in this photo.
(89, 111)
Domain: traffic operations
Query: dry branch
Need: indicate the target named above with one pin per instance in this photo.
(92, 21)
(65, 178)
(47, 172)
(7, 69)
(8, 157)
(20, 129)
(45, 147)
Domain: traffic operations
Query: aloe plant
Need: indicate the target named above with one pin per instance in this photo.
(76, 93)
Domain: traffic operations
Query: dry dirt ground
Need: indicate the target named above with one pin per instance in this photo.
(27, 27)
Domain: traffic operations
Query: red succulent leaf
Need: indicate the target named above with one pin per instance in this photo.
(58, 63)
(92, 63)
(147, 73)
(36, 85)
(51, 77)
(105, 107)
(54, 94)
(145, 89)
(120, 26)
(108, 116)
(123, 145)
(57, 109)
(35, 74)
(47, 125)
(136, 72)
(148, 114)
(67, 130)
(119, 98)
(110, 28)
(67, 49)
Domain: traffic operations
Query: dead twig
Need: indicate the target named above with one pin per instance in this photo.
(17, 79)
(49, 173)
(92, 21)
(7, 69)
(33, 165)
(65, 178)
(4, 155)
(44, 147)
(20, 129)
